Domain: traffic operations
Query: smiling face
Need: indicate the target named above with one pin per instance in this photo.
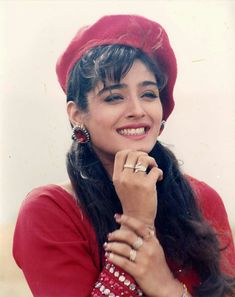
(124, 115)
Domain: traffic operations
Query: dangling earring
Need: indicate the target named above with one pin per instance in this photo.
(80, 134)
(163, 123)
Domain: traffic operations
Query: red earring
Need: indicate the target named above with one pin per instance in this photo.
(80, 134)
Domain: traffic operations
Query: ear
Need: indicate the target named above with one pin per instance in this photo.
(74, 113)
(163, 123)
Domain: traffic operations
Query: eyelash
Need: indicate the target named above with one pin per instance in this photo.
(113, 98)
(150, 95)
(116, 97)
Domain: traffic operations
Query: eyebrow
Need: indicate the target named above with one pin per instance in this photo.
(112, 87)
(122, 86)
(148, 83)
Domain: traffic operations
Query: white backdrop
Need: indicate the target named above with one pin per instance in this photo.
(35, 133)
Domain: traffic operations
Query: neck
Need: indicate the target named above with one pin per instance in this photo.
(108, 165)
(107, 161)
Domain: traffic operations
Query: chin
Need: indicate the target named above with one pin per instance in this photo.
(142, 148)
(145, 150)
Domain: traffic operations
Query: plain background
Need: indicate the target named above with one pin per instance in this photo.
(35, 133)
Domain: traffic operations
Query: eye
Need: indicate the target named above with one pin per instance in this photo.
(113, 98)
(150, 95)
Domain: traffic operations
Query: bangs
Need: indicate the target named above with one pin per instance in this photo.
(113, 65)
(107, 63)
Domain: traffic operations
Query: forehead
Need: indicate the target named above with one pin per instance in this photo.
(139, 70)
(137, 73)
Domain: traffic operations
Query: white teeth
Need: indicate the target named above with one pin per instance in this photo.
(138, 131)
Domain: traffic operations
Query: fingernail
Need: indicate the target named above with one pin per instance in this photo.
(109, 235)
(105, 245)
(117, 216)
(109, 255)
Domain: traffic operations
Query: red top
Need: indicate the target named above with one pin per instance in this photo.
(56, 247)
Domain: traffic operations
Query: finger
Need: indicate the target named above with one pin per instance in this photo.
(121, 249)
(131, 161)
(123, 235)
(134, 241)
(156, 174)
(120, 160)
(145, 161)
(128, 158)
(123, 262)
(141, 229)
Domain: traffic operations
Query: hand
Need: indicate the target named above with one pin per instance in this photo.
(137, 251)
(136, 189)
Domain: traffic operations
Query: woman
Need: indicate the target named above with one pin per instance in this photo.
(128, 222)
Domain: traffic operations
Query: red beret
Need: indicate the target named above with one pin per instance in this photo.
(132, 30)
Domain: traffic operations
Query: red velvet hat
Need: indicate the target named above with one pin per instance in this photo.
(132, 30)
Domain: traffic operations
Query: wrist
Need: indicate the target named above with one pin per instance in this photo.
(176, 288)
(179, 290)
(150, 227)
(147, 220)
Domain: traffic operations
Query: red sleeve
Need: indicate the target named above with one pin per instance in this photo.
(115, 282)
(57, 250)
(52, 248)
(213, 209)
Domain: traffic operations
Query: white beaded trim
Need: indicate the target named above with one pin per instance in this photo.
(122, 279)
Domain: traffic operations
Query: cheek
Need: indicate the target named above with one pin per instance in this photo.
(160, 112)
(98, 122)
(156, 112)
(103, 116)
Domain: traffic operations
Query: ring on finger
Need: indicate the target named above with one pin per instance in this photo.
(138, 243)
(140, 167)
(132, 255)
(130, 166)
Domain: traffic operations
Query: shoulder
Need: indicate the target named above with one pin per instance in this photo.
(51, 208)
(206, 196)
(51, 226)
(213, 210)
(210, 204)
(50, 214)
(48, 194)
(52, 191)
(50, 199)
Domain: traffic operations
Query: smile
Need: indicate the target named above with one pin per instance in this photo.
(132, 131)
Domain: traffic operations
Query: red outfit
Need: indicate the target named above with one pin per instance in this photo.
(56, 247)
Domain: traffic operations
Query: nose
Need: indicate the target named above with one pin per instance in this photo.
(135, 108)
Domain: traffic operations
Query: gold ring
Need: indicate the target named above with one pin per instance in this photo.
(132, 256)
(138, 243)
(129, 166)
(140, 167)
